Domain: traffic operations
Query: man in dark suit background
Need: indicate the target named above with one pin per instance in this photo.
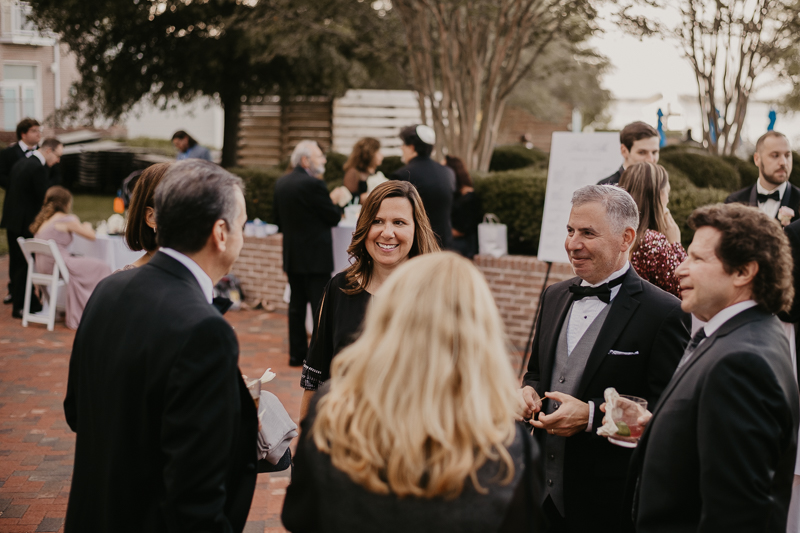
(719, 451)
(30, 178)
(638, 143)
(772, 191)
(305, 213)
(28, 136)
(435, 183)
(605, 328)
(791, 321)
(166, 429)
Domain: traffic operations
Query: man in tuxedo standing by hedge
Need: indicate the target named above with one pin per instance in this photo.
(772, 194)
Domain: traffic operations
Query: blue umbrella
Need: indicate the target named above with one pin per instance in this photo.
(661, 134)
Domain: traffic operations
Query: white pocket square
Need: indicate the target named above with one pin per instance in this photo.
(615, 352)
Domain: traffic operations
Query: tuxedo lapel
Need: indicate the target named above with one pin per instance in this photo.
(622, 309)
(734, 323)
(753, 202)
(561, 305)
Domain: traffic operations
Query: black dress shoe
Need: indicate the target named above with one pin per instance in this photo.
(295, 362)
(8, 299)
(16, 313)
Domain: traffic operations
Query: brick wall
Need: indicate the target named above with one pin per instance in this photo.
(260, 269)
(515, 281)
(517, 122)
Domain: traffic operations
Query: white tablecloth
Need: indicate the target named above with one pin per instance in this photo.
(111, 249)
(342, 236)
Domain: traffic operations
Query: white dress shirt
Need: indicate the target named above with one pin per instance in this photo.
(38, 155)
(771, 207)
(202, 278)
(27, 150)
(584, 312)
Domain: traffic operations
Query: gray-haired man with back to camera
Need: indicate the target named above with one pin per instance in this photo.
(166, 429)
(605, 328)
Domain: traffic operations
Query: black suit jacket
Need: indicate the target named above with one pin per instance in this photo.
(28, 184)
(166, 429)
(793, 316)
(305, 215)
(748, 196)
(613, 179)
(436, 187)
(8, 157)
(719, 452)
(648, 325)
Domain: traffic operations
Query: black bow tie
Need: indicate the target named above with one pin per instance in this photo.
(603, 292)
(774, 195)
(222, 304)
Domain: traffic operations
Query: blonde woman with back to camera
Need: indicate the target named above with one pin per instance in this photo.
(415, 431)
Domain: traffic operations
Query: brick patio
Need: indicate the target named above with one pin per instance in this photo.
(37, 446)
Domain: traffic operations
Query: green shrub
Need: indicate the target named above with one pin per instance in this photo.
(684, 198)
(517, 198)
(157, 146)
(391, 163)
(748, 171)
(794, 177)
(704, 170)
(334, 168)
(514, 156)
(259, 183)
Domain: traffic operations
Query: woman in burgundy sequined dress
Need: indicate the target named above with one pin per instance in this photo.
(657, 251)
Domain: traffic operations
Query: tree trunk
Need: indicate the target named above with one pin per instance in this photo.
(232, 105)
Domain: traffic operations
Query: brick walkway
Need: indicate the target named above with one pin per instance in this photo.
(37, 446)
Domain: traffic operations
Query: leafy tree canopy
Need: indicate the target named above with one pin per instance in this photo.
(129, 50)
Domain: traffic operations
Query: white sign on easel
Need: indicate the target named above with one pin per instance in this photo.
(576, 159)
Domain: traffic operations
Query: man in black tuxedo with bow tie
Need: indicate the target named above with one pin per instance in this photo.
(29, 181)
(28, 136)
(166, 429)
(719, 451)
(605, 328)
(772, 194)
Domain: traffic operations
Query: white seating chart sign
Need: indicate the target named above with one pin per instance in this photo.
(576, 159)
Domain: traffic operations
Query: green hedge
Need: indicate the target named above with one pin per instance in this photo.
(259, 183)
(704, 170)
(516, 156)
(517, 198)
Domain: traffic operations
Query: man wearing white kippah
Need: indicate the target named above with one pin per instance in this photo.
(434, 182)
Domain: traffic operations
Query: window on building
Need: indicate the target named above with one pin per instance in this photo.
(20, 94)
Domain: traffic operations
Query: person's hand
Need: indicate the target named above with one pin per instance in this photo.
(671, 229)
(340, 195)
(571, 417)
(530, 403)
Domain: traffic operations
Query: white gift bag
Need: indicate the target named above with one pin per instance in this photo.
(492, 236)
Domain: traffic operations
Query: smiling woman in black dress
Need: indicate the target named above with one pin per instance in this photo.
(391, 228)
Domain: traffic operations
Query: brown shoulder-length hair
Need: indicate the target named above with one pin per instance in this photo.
(138, 234)
(57, 199)
(463, 178)
(749, 235)
(359, 273)
(644, 182)
(362, 155)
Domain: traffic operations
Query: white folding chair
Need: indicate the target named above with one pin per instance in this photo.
(52, 282)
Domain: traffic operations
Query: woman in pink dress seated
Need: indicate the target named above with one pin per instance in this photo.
(657, 251)
(56, 222)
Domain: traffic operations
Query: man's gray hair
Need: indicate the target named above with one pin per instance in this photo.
(303, 149)
(192, 196)
(620, 207)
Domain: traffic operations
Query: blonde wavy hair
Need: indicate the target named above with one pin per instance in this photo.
(427, 394)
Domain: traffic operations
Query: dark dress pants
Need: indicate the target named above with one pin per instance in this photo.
(306, 288)
(18, 273)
